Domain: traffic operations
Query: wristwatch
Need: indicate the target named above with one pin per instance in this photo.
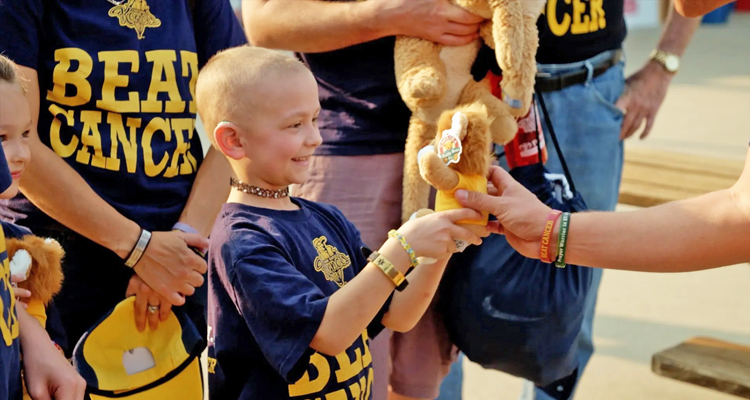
(670, 62)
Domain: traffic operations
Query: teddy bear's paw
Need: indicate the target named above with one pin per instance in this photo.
(503, 129)
(427, 88)
(20, 263)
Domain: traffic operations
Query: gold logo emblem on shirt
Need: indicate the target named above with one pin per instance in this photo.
(134, 14)
(330, 261)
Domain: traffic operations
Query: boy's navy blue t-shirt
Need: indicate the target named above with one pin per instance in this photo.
(116, 86)
(270, 276)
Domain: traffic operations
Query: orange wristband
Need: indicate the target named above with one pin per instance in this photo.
(544, 254)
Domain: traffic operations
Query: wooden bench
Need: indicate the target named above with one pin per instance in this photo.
(651, 177)
(707, 362)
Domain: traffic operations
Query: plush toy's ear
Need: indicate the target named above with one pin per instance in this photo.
(45, 278)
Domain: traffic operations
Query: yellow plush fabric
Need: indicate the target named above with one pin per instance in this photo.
(445, 199)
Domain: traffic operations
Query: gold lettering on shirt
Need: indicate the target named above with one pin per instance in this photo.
(83, 134)
(9, 323)
(305, 386)
(579, 17)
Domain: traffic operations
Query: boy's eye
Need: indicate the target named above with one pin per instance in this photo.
(26, 134)
(296, 125)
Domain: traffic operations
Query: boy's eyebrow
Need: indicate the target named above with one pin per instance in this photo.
(301, 113)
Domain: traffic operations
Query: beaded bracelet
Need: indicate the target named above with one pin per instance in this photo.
(544, 255)
(409, 250)
(140, 247)
(562, 240)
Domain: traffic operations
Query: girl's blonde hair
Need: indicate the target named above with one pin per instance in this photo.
(9, 72)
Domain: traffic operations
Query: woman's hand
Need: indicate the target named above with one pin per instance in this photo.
(520, 215)
(23, 295)
(148, 304)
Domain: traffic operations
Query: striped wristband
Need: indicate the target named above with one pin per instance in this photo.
(138, 249)
(544, 254)
(409, 250)
(562, 240)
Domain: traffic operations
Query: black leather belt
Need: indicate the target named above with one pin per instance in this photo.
(560, 82)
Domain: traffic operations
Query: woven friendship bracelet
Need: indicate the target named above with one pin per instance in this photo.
(562, 240)
(409, 250)
(544, 255)
(138, 249)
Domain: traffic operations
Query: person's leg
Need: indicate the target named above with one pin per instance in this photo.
(367, 189)
(587, 125)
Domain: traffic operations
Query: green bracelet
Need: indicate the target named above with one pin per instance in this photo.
(409, 250)
(562, 240)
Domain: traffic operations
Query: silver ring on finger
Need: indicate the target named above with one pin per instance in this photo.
(153, 309)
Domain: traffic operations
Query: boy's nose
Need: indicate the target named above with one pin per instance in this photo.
(314, 139)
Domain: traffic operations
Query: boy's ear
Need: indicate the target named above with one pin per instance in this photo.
(227, 136)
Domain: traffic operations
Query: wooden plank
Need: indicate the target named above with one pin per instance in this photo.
(652, 177)
(647, 195)
(685, 162)
(677, 179)
(707, 362)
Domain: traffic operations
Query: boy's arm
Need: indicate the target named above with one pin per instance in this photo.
(353, 307)
(313, 26)
(407, 307)
(48, 374)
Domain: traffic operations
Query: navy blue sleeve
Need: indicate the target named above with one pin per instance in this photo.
(281, 307)
(216, 28)
(20, 27)
(14, 231)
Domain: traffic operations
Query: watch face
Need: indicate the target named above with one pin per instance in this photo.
(672, 63)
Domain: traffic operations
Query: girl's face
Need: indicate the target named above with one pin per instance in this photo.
(15, 127)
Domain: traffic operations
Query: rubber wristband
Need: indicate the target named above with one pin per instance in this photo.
(544, 255)
(562, 240)
(181, 226)
(138, 249)
(412, 256)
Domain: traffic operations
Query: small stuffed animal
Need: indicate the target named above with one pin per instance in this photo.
(459, 158)
(432, 78)
(39, 262)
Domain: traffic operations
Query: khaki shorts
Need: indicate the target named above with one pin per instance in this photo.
(367, 189)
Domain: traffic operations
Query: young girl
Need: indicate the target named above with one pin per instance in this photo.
(48, 374)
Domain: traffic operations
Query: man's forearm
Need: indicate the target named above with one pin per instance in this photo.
(677, 33)
(210, 191)
(312, 26)
(700, 233)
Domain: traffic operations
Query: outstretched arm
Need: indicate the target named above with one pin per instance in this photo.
(704, 232)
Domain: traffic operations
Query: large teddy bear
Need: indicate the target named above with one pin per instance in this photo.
(432, 78)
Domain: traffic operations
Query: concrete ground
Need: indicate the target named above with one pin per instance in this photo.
(707, 111)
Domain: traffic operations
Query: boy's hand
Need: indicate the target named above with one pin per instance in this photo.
(48, 374)
(21, 294)
(434, 235)
(146, 300)
(170, 267)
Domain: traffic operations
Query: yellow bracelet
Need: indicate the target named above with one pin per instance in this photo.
(412, 256)
(398, 279)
